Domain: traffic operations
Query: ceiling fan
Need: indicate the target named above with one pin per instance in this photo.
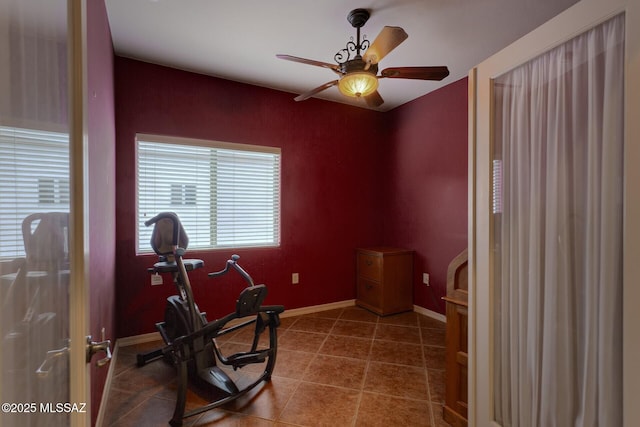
(358, 73)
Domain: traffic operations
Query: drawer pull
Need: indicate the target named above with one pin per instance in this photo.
(368, 286)
(369, 262)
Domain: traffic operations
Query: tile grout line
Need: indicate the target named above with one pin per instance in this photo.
(315, 355)
(366, 373)
(295, 389)
(426, 375)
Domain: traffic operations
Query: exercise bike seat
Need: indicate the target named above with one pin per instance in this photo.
(172, 266)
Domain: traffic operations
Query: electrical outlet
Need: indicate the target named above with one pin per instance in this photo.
(425, 278)
(295, 278)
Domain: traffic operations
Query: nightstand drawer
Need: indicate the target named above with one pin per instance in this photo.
(384, 279)
(369, 266)
(369, 292)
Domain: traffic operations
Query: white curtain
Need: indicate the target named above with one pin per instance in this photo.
(558, 237)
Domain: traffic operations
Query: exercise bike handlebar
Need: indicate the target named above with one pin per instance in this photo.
(233, 263)
(176, 224)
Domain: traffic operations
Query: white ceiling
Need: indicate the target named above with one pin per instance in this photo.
(238, 39)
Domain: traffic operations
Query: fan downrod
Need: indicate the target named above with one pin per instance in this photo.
(358, 17)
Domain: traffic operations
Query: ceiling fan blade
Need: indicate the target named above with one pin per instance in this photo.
(374, 100)
(418, 73)
(333, 67)
(316, 90)
(388, 39)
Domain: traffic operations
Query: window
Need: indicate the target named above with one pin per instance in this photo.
(226, 195)
(34, 177)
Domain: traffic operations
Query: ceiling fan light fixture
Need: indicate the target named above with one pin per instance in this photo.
(358, 83)
(357, 63)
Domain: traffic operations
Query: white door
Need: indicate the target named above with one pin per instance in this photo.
(43, 205)
(535, 374)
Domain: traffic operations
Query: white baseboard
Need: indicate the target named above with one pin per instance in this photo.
(318, 308)
(155, 336)
(430, 313)
(138, 339)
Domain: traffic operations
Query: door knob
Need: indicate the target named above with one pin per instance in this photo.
(97, 347)
(45, 367)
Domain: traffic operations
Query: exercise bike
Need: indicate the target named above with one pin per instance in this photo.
(190, 339)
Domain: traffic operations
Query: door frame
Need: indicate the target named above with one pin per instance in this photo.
(79, 372)
(570, 23)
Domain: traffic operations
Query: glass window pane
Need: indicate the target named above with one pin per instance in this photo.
(224, 197)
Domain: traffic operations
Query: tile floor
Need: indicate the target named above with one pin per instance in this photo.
(343, 367)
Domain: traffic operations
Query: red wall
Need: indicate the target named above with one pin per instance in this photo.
(330, 195)
(102, 203)
(351, 177)
(427, 209)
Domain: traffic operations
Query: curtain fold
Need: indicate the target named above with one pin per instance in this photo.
(558, 240)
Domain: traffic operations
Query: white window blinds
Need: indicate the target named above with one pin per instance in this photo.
(34, 178)
(226, 195)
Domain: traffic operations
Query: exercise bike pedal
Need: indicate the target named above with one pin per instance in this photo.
(242, 359)
(218, 378)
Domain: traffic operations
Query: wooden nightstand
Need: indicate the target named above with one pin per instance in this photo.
(385, 280)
